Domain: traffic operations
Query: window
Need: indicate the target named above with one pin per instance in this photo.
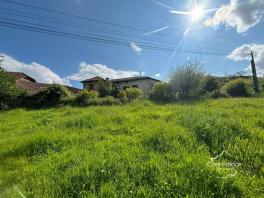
(91, 87)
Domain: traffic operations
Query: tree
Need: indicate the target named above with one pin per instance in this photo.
(8, 90)
(105, 88)
(186, 80)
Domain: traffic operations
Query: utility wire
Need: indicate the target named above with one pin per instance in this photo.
(84, 26)
(100, 36)
(85, 18)
(95, 39)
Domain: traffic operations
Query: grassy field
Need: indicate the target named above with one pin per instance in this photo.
(138, 150)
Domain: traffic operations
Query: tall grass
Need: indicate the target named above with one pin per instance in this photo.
(136, 150)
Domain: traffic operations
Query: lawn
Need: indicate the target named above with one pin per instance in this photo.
(210, 148)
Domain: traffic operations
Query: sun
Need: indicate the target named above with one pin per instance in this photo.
(197, 13)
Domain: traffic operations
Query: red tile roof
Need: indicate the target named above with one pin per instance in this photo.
(20, 75)
(30, 85)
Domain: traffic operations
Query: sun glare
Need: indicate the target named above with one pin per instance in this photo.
(197, 13)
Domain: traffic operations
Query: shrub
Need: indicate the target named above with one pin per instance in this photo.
(217, 94)
(133, 93)
(109, 100)
(9, 93)
(238, 87)
(186, 80)
(105, 88)
(48, 97)
(162, 92)
(122, 96)
(85, 96)
(209, 84)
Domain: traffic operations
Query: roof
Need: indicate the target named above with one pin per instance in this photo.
(20, 75)
(29, 84)
(134, 78)
(97, 78)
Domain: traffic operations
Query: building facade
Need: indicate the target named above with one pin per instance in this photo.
(144, 83)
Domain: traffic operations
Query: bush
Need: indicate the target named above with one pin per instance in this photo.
(133, 93)
(122, 96)
(109, 100)
(48, 97)
(105, 88)
(186, 80)
(217, 94)
(209, 84)
(9, 93)
(238, 87)
(162, 92)
(85, 96)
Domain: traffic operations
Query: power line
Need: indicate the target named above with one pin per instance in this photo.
(91, 19)
(95, 39)
(93, 35)
(83, 26)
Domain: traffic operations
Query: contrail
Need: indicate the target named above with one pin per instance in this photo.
(163, 5)
(157, 30)
(180, 12)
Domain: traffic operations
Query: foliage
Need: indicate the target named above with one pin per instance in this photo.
(122, 97)
(209, 84)
(90, 98)
(238, 87)
(9, 93)
(133, 93)
(48, 97)
(105, 88)
(137, 150)
(186, 80)
(162, 92)
(84, 97)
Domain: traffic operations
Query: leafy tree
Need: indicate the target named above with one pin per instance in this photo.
(105, 88)
(9, 92)
(186, 80)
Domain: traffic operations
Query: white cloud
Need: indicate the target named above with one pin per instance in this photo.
(240, 54)
(136, 48)
(91, 70)
(39, 72)
(239, 14)
(157, 75)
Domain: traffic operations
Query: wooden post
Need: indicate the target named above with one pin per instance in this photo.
(254, 73)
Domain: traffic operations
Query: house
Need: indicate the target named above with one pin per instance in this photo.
(30, 85)
(144, 83)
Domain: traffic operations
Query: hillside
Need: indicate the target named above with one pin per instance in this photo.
(137, 150)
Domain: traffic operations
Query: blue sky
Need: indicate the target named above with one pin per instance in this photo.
(231, 30)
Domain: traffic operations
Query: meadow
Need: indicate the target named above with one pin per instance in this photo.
(209, 148)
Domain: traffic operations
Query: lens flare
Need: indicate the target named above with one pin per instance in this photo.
(197, 13)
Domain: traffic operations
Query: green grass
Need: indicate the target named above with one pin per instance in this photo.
(137, 150)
